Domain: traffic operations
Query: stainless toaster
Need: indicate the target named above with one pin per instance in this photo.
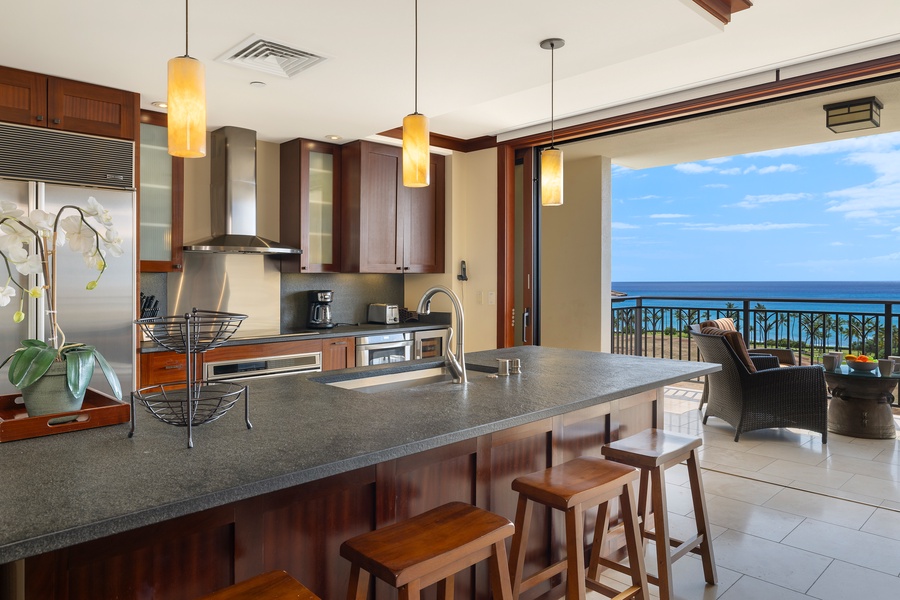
(384, 313)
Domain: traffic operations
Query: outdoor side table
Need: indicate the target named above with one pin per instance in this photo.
(861, 403)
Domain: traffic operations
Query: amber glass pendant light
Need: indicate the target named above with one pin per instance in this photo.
(552, 157)
(187, 103)
(416, 158)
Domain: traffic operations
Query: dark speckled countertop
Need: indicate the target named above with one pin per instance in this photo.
(70, 488)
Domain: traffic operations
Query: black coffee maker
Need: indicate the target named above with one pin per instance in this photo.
(320, 309)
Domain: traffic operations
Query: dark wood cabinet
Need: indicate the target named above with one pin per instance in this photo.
(311, 206)
(42, 101)
(388, 228)
(165, 367)
(338, 353)
(160, 197)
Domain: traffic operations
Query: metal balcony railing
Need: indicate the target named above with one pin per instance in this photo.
(658, 326)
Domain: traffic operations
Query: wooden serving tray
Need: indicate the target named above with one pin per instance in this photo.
(98, 410)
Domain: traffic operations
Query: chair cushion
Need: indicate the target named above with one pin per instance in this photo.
(725, 323)
(736, 341)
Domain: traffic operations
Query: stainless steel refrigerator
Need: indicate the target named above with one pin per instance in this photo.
(102, 317)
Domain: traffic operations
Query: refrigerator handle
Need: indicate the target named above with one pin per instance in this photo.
(36, 308)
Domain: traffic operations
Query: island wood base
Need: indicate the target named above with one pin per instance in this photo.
(301, 529)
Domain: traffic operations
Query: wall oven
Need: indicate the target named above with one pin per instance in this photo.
(256, 368)
(383, 349)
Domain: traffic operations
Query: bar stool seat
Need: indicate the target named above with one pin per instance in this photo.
(275, 585)
(573, 487)
(653, 451)
(431, 548)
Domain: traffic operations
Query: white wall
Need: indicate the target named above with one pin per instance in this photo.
(575, 260)
(471, 236)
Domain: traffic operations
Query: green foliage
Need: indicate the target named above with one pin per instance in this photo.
(30, 362)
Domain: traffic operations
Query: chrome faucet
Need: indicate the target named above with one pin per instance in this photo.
(457, 361)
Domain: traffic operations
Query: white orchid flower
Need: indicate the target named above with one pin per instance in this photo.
(16, 234)
(94, 260)
(8, 208)
(6, 295)
(79, 237)
(25, 264)
(41, 220)
(36, 292)
(112, 241)
(96, 210)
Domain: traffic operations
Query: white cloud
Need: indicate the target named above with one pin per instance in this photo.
(693, 168)
(620, 225)
(731, 171)
(783, 168)
(718, 161)
(751, 201)
(746, 227)
(716, 185)
(839, 244)
(878, 198)
(668, 216)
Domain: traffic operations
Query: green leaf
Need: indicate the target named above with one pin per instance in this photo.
(29, 364)
(79, 370)
(110, 375)
(32, 343)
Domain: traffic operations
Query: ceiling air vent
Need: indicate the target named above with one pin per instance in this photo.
(270, 57)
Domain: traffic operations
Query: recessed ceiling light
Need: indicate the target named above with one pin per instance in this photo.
(333, 137)
(159, 104)
(257, 84)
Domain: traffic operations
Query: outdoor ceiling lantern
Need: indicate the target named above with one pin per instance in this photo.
(864, 113)
(187, 103)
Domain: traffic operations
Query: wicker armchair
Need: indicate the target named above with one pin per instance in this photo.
(750, 399)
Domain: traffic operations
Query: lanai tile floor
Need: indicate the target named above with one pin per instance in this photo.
(791, 518)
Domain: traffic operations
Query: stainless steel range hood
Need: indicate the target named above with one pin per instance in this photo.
(233, 197)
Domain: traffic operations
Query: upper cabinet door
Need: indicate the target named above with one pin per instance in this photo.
(311, 206)
(94, 109)
(161, 197)
(23, 97)
(423, 244)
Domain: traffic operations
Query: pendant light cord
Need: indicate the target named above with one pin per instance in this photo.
(416, 74)
(552, 95)
(186, 27)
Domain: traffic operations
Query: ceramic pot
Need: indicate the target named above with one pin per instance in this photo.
(50, 394)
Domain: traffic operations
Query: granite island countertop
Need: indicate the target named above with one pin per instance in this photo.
(65, 489)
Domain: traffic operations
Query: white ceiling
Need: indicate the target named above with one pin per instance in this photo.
(482, 71)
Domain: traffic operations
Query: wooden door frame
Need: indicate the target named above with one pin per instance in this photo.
(780, 89)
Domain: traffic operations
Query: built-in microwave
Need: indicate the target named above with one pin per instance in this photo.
(384, 349)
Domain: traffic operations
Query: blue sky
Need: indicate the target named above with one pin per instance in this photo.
(822, 212)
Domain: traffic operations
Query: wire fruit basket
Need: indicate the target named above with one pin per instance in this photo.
(191, 403)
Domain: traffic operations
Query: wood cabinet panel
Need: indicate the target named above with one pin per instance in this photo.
(42, 101)
(166, 367)
(388, 228)
(23, 97)
(338, 353)
(310, 191)
(240, 351)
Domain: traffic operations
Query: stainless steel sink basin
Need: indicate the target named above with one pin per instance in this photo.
(398, 380)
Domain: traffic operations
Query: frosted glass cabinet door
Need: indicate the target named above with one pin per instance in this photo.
(311, 205)
(161, 191)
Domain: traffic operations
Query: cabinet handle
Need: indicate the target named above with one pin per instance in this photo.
(399, 268)
(339, 343)
(302, 268)
(56, 121)
(176, 266)
(171, 367)
(406, 268)
(40, 117)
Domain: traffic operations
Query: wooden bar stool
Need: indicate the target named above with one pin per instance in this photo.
(653, 451)
(275, 585)
(430, 548)
(573, 487)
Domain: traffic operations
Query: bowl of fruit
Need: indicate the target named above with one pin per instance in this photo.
(861, 362)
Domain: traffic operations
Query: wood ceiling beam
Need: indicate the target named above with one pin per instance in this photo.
(723, 9)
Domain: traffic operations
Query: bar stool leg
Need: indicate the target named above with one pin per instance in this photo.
(446, 587)
(661, 528)
(500, 581)
(519, 542)
(702, 518)
(410, 591)
(643, 506)
(575, 587)
(634, 542)
(358, 587)
(600, 530)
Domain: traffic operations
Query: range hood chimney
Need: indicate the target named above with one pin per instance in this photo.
(233, 197)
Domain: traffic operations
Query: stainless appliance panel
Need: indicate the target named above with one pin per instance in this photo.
(431, 343)
(249, 284)
(12, 333)
(384, 349)
(257, 368)
(102, 317)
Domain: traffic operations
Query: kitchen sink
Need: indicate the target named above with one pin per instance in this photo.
(398, 380)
